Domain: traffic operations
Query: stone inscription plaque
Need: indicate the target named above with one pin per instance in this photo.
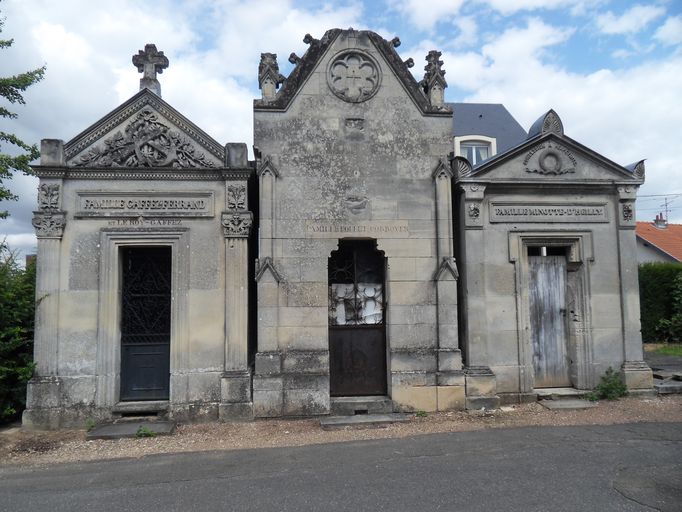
(546, 212)
(145, 204)
(367, 229)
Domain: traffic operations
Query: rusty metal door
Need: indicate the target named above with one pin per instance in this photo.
(357, 333)
(145, 323)
(548, 321)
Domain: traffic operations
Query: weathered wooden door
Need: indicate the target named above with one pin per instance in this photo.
(145, 323)
(357, 335)
(548, 320)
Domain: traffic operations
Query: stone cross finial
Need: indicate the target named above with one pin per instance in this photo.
(150, 62)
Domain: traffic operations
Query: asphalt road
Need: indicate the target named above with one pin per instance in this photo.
(633, 467)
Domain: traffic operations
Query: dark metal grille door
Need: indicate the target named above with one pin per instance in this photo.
(145, 323)
(548, 321)
(357, 333)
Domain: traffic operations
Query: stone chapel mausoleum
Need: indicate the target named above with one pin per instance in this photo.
(384, 251)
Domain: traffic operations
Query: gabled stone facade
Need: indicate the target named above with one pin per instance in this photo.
(355, 261)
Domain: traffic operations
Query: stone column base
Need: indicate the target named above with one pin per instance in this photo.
(481, 388)
(235, 396)
(637, 375)
(43, 400)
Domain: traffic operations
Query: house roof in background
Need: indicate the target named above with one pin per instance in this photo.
(488, 119)
(668, 239)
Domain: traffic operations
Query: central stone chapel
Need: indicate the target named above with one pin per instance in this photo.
(385, 251)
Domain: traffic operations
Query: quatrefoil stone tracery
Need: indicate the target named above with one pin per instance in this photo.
(353, 76)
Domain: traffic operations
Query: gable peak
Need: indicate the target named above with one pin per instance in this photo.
(549, 122)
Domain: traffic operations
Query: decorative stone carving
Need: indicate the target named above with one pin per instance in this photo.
(236, 197)
(236, 224)
(48, 197)
(628, 213)
(442, 170)
(409, 63)
(552, 123)
(294, 59)
(395, 42)
(356, 204)
(434, 83)
(550, 161)
(265, 264)
(447, 269)
(145, 142)
(308, 39)
(474, 211)
(49, 224)
(269, 77)
(462, 167)
(353, 76)
(150, 62)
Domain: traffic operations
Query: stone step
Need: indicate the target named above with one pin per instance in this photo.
(363, 421)
(567, 404)
(668, 387)
(126, 429)
(359, 405)
(560, 393)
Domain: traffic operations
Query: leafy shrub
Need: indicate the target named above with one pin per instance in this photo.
(610, 387)
(17, 307)
(656, 283)
(670, 329)
(145, 431)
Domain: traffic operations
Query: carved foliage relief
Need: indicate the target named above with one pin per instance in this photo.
(236, 197)
(146, 142)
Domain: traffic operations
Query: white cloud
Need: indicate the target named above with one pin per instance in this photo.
(631, 21)
(424, 14)
(670, 33)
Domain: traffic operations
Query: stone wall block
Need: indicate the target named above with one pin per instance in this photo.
(268, 363)
(267, 403)
(235, 412)
(415, 378)
(235, 388)
(306, 402)
(413, 360)
(451, 398)
(295, 361)
(415, 398)
(449, 360)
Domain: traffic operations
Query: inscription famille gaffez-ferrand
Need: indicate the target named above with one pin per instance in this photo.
(124, 205)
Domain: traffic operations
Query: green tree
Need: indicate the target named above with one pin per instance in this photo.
(17, 309)
(11, 89)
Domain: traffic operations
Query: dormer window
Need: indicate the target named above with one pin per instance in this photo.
(475, 151)
(476, 148)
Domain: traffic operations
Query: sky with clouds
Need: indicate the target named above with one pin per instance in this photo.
(611, 69)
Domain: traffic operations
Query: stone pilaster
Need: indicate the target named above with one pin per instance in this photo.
(235, 399)
(636, 372)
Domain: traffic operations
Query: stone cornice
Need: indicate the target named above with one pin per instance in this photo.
(142, 173)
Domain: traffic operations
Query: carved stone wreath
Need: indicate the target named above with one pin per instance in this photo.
(146, 142)
(353, 76)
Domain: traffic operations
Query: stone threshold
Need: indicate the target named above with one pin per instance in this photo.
(363, 421)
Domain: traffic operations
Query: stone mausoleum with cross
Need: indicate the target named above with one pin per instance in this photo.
(383, 251)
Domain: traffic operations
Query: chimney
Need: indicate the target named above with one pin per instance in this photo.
(660, 221)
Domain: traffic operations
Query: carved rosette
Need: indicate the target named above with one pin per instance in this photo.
(353, 76)
(628, 212)
(236, 224)
(49, 224)
(474, 194)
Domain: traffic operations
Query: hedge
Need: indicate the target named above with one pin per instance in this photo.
(656, 286)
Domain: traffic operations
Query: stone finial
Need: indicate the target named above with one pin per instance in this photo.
(269, 77)
(294, 59)
(395, 42)
(150, 62)
(308, 39)
(409, 63)
(434, 83)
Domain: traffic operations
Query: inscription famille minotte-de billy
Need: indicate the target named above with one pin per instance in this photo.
(547, 213)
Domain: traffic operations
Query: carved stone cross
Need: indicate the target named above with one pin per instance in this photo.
(150, 62)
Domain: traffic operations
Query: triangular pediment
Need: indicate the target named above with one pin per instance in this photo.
(362, 47)
(145, 131)
(552, 157)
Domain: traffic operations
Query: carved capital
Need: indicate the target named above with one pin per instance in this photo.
(48, 196)
(473, 191)
(236, 224)
(49, 224)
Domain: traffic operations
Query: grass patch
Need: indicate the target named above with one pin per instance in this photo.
(669, 350)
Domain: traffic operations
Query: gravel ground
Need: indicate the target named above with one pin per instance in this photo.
(20, 447)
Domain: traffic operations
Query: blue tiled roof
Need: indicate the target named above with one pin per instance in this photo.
(488, 119)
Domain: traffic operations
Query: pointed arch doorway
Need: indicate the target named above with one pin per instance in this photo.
(357, 319)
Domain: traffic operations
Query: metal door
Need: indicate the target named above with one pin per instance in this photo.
(357, 310)
(145, 323)
(548, 320)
